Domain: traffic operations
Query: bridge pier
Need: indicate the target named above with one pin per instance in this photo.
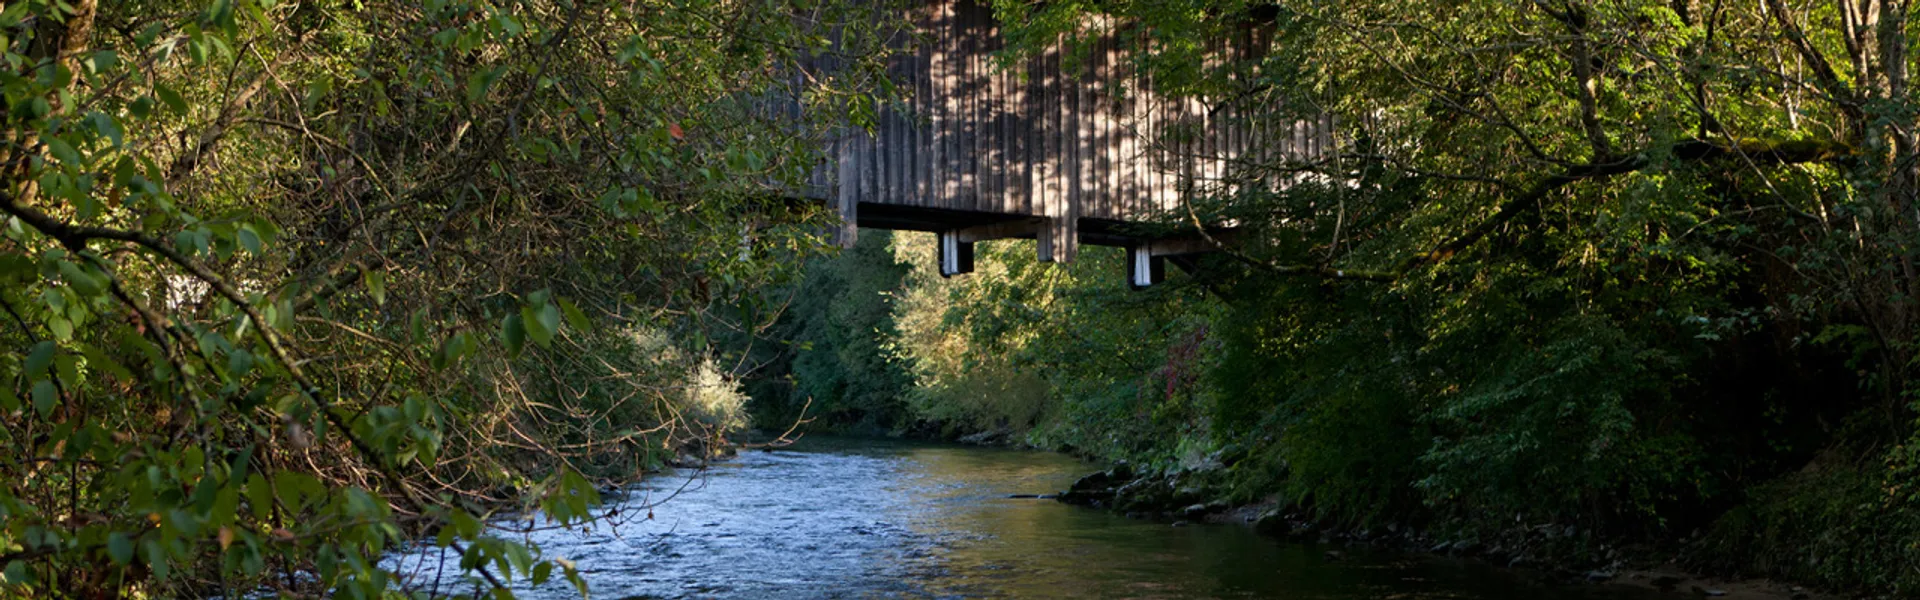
(956, 256)
(1147, 260)
(1143, 268)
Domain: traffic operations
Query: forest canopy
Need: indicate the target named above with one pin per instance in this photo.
(287, 284)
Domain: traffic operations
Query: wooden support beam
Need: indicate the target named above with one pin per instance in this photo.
(1179, 246)
(1020, 228)
(1143, 267)
(956, 255)
(846, 196)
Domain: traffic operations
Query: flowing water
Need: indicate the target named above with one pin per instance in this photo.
(835, 518)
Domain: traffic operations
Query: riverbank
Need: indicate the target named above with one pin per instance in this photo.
(1551, 553)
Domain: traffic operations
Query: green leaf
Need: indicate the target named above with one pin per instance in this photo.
(464, 524)
(376, 285)
(32, 109)
(575, 319)
(249, 238)
(170, 98)
(9, 401)
(259, 496)
(39, 358)
(226, 502)
(98, 359)
(157, 558)
(541, 323)
(62, 328)
(417, 326)
(83, 282)
(513, 332)
(16, 573)
(67, 367)
(106, 125)
(317, 90)
(573, 576)
(478, 83)
(542, 572)
(549, 317)
(119, 548)
(239, 362)
(281, 315)
(64, 152)
(12, 15)
(44, 395)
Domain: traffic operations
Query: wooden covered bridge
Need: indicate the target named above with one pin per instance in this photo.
(1046, 151)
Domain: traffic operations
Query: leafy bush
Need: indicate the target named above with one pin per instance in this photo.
(1836, 523)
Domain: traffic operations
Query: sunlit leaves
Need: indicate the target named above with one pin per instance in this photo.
(172, 99)
(376, 282)
(87, 284)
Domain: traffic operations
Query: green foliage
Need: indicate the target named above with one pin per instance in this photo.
(286, 285)
(1835, 524)
(832, 365)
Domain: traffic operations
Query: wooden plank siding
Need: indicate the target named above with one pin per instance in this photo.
(1082, 143)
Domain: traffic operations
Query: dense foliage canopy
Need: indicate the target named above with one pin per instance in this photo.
(286, 284)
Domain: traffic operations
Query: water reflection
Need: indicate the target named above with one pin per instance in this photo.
(833, 518)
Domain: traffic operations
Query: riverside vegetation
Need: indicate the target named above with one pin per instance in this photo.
(1638, 274)
(285, 284)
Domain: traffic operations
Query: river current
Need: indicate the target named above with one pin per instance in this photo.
(837, 518)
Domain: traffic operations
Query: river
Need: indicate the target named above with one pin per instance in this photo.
(837, 518)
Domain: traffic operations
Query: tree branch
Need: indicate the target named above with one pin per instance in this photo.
(1759, 152)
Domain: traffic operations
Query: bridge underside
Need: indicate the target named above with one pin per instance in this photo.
(958, 230)
(1095, 232)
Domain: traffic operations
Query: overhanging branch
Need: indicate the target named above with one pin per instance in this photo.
(1759, 152)
(1751, 151)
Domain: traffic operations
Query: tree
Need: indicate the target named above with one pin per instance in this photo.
(289, 284)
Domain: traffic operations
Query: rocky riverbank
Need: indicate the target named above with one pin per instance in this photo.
(1565, 553)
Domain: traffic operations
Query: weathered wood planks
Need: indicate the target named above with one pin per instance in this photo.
(972, 143)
